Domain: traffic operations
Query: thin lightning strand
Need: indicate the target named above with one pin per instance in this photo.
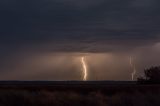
(85, 72)
(134, 68)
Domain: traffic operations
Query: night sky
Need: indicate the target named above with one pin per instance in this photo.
(45, 39)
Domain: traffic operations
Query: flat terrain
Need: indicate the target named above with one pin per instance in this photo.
(80, 86)
(78, 93)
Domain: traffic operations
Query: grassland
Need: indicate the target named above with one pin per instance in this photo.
(78, 94)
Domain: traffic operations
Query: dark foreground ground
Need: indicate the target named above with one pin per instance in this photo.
(77, 93)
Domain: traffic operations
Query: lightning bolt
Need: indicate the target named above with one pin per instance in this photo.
(134, 68)
(85, 71)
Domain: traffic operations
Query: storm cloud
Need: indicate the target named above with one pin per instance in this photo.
(43, 27)
(84, 21)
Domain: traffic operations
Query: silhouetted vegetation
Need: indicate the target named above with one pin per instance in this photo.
(14, 97)
(151, 76)
(78, 94)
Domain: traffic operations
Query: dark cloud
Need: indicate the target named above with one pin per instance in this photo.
(40, 27)
(57, 20)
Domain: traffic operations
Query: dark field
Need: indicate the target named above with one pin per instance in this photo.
(78, 93)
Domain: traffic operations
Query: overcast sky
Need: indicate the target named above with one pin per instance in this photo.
(45, 39)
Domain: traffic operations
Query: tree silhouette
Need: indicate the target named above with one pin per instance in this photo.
(152, 75)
